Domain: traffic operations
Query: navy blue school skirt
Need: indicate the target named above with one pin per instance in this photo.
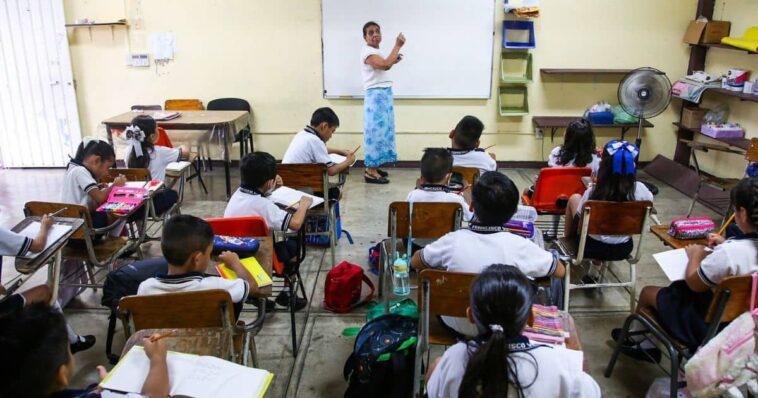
(682, 311)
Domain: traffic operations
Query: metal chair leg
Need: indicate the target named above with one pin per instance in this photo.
(617, 348)
(293, 299)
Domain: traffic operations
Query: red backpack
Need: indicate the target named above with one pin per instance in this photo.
(342, 290)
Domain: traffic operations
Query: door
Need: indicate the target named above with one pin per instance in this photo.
(39, 121)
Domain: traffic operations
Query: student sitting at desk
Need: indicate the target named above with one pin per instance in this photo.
(186, 244)
(465, 146)
(501, 362)
(436, 169)
(682, 306)
(309, 146)
(493, 199)
(259, 179)
(13, 244)
(39, 364)
(143, 153)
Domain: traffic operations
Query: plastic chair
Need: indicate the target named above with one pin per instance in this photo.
(730, 299)
(553, 188)
(244, 136)
(607, 218)
(256, 226)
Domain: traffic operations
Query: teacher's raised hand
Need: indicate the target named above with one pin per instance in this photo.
(400, 40)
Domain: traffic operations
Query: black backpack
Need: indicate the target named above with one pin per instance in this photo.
(381, 364)
(124, 282)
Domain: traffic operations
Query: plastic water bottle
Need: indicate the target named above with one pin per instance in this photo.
(400, 284)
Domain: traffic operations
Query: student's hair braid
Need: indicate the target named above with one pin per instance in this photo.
(745, 195)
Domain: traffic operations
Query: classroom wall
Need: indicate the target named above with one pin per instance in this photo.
(269, 52)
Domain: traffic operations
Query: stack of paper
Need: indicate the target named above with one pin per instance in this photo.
(290, 198)
(673, 263)
(56, 232)
(161, 115)
(177, 166)
(337, 159)
(151, 186)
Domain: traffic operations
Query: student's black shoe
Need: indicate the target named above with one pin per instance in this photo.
(283, 299)
(84, 343)
(270, 305)
(652, 355)
(375, 180)
(616, 335)
(382, 172)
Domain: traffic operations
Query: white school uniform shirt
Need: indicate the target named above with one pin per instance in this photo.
(557, 373)
(307, 147)
(77, 183)
(640, 193)
(13, 244)
(467, 251)
(245, 202)
(734, 257)
(478, 158)
(433, 194)
(160, 157)
(193, 282)
(554, 161)
(373, 78)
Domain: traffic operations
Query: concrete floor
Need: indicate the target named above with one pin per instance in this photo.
(317, 370)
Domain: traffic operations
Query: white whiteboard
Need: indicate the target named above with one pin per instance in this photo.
(448, 52)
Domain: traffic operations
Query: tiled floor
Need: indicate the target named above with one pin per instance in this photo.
(317, 370)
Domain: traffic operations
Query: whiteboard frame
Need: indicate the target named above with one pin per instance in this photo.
(353, 97)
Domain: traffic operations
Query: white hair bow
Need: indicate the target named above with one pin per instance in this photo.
(135, 137)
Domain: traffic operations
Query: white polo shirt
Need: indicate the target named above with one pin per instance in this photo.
(160, 157)
(245, 202)
(478, 158)
(13, 244)
(193, 282)
(554, 160)
(558, 373)
(734, 257)
(467, 251)
(307, 147)
(439, 194)
(77, 183)
(640, 193)
(373, 78)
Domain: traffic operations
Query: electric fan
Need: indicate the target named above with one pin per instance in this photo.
(644, 93)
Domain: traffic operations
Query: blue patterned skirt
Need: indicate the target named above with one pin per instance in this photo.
(379, 127)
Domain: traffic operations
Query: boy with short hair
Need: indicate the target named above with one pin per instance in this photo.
(186, 244)
(259, 179)
(436, 169)
(494, 200)
(465, 146)
(309, 145)
(39, 363)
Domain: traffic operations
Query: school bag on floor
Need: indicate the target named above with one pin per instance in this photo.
(320, 223)
(124, 282)
(342, 289)
(381, 365)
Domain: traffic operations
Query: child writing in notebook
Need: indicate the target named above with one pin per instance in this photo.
(500, 361)
(80, 184)
(436, 170)
(38, 363)
(259, 179)
(143, 153)
(682, 306)
(465, 146)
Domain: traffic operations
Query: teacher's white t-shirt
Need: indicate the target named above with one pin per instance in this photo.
(372, 77)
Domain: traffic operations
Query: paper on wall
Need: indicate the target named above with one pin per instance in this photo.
(163, 45)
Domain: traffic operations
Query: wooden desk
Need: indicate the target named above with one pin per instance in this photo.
(198, 341)
(222, 124)
(51, 255)
(661, 231)
(265, 257)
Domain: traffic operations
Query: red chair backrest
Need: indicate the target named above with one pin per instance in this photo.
(163, 138)
(555, 183)
(246, 227)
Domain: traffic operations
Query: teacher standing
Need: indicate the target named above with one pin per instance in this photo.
(378, 108)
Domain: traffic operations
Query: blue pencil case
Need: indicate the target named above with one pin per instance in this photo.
(244, 247)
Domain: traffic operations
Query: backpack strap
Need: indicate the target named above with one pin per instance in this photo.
(370, 296)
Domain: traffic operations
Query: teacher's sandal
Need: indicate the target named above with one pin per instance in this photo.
(375, 180)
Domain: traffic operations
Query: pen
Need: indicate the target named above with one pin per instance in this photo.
(486, 148)
(292, 205)
(58, 212)
(723, 227)
(356, 149)
(160, 336)
(464, 189)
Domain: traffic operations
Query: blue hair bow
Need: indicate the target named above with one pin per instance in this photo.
(624, 155)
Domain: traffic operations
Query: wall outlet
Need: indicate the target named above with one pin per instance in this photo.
(140, 60)
(539, 133)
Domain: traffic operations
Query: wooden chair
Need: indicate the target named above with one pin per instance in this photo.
(730, 300)
(95, 255)
(194, 138)
(721, 183)
(314, 178)
(607, 218)
(553, 188)
(199, 309)
(442, 293)
(468, 175)
(430, 221)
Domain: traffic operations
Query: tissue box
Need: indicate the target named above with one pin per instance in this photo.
(711, 32)
(723, 130)
(692, 118)
(600, 117)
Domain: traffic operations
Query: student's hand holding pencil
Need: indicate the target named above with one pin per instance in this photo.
(278, 182)
(46, 223)
(119, 181)
(715, 240)
(305, 202)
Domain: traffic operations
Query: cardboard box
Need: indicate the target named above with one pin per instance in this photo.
(692, 118)
(699, 32)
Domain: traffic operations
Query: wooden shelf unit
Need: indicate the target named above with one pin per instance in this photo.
(89, 25)
(591, 72)
(742, 143)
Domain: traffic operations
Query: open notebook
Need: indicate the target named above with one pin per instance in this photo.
(191, 375)
(673, 263)
(56, 232)
(288, 197)
(339, 158)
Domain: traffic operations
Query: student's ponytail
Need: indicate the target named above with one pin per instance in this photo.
(501, 302)
(94, 146)
(745, 195)
(140, 143)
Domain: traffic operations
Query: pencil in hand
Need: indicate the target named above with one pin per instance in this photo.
(153, 339)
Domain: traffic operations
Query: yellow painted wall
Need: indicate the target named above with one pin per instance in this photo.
(269, 52)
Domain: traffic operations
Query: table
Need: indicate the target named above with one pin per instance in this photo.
(661, 231)
(265, 257)
(556, 122)
(198, 341)
(226, 123)
(51, 255)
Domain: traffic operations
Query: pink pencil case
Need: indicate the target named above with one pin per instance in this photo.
(123, 199)
(691, 228)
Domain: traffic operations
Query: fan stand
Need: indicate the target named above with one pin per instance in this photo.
(638, 142)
